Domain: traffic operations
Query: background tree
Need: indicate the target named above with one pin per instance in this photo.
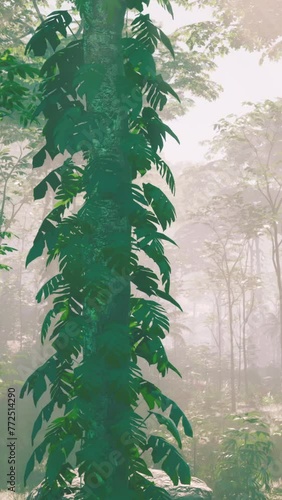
(237, 24)
(258, 161)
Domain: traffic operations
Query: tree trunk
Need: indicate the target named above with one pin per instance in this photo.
(277, 266)
(245, 346)
(194, 443)
(232, 361)
(239, 349)
(219, 332)
(258, 260)
(106, 312)
(252, 259)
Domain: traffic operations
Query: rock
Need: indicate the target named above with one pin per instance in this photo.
(197, 490)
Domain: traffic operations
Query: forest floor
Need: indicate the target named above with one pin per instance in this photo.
(276, 493)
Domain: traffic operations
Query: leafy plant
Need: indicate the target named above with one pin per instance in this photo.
(98, 331)
(243, 469)
(5, 248)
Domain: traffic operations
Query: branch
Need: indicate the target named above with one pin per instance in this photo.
(37, 11)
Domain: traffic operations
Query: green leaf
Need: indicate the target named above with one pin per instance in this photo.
(171, 427)
(166, 5)
(41, 450)
(136, 4)
(167, 43)
(47, 234)
(152, 236)
(154, 128)
(155, 251)
(36, 427)
(39, 387)
(174, 464)
(66, 131)
(151, 348)
(46, 33)
(39, 158)
(157, 90)
(62, 67)
(48, 319)
(161, 205)
(148, 34)
(53, 179)
(145, 280)
(29, 468)
(149, 313)
(169, 298)
(54, 463)
(140, 59)
(49, 408)
(56, 284)
(176, 414)
(166, 173)
(154, 397)
(36, 249)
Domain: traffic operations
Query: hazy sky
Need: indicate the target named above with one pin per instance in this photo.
(242, 78)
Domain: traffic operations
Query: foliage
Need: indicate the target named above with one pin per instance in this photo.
(251, 145)
(14, 95)
(16, 106)
(246, 454)
(66, 85)
(5, 248)
(84, 287)
(251, 25)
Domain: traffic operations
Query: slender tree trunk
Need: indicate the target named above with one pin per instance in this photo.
(195, 455)
(20, 303)
(277, 266)
(245, 345)
(232, 360)
(258, 292)
(106, 312)
(252, 259)
(219, 333)
(258, 262)
(239, 350)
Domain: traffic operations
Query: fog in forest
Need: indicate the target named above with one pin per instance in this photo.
(226, 266)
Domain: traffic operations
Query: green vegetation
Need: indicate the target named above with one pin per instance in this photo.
(85, 95)
(243, 466)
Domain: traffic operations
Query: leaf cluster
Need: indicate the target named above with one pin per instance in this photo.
(84, 285)
(246, 454)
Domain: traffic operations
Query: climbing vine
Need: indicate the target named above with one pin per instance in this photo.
(101, 104)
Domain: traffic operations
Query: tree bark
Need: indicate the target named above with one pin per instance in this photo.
(106, 312)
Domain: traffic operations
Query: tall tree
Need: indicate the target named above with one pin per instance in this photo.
(253, 25)
(100, 100)
(251, 146)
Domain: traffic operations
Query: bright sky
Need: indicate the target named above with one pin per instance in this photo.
(242, 78)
